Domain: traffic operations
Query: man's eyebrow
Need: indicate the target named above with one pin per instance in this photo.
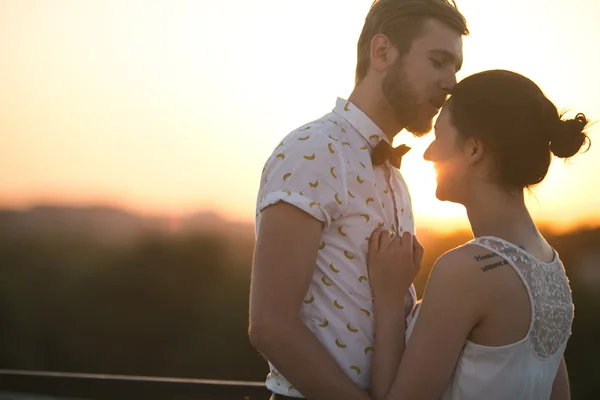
(450, 57)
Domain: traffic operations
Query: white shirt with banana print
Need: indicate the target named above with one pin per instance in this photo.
(324, 168)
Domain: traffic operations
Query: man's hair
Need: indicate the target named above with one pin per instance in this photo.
(402, 21)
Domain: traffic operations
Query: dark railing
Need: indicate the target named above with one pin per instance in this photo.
(32, 385)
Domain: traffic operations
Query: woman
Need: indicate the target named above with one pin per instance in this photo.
(497, 311)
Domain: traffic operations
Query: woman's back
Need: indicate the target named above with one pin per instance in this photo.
(516, 350)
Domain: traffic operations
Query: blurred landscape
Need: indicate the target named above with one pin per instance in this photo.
(101, 290)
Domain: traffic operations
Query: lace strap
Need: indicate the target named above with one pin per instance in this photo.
(511, 254)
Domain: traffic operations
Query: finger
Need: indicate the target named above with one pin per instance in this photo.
(416, 244)
(384, 240)
(374, 240)
(407, 240)
(397, 241)
(418, 252)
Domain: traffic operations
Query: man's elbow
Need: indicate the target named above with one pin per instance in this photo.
(258, 334)
(266, 331)
(263, 331)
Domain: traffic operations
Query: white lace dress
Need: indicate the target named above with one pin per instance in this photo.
(525, 369)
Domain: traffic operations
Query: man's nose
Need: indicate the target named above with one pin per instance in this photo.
(449, 83)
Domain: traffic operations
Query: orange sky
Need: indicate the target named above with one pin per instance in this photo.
(164, 106)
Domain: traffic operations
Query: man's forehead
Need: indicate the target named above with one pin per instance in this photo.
(437, 35)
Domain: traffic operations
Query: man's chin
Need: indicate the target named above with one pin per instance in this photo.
(420, 128)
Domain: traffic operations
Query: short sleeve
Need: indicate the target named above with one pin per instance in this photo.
(308, 172)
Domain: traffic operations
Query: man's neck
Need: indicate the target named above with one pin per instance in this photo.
(373, 104)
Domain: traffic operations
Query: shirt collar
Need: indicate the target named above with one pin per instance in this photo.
(360, 121)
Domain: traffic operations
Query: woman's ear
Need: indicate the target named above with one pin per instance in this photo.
(473, 151)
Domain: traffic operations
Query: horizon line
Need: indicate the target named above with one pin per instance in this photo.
(428, 223)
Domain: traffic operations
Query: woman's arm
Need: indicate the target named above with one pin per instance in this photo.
(560, 388)
(393, 264)
(389, 346)
(451, 307)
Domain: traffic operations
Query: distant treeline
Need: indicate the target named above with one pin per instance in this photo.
(177, 305)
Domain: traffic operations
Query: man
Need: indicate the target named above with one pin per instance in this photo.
(324, 190)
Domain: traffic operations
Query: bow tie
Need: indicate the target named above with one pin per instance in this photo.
(384, 151)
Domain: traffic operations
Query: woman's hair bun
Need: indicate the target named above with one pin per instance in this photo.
(568, 137)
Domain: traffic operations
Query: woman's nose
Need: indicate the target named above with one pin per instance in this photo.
(427, 154)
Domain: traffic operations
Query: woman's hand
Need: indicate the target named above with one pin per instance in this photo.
(393, 264)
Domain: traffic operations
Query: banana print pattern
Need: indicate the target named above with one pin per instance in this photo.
(324, 168)
(337, 199)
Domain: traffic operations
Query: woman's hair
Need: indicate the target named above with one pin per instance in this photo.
(516, 123)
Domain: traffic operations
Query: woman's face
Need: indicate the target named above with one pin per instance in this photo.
(448, 158)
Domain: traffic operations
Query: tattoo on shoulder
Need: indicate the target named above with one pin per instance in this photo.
(536, 232)
(484, 257)
(490, 266)
(494, 265)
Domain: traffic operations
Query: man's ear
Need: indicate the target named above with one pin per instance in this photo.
(382, 53)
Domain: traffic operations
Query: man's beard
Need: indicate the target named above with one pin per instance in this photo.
(402, 98)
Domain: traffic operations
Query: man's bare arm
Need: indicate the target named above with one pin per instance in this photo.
(284, 261)
(560, 388)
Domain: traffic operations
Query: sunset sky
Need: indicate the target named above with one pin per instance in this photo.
(172, 106)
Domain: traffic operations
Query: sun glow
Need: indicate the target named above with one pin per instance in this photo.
(173, 107)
